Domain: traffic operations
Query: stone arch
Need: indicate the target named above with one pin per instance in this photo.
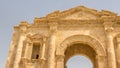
(80, 49)
(99, 55)
(92, 42)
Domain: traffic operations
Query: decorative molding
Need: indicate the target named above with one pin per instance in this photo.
(36, 37)
(53, 27)
(60, 18)
(81, 39)
(100, 57)
(63, 34)
(57, 15)
(23, 27)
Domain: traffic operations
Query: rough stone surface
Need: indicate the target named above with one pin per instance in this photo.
(61, 35)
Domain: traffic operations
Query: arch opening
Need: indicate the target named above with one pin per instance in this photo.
(81, 45)
(79, 61)
(80, 49)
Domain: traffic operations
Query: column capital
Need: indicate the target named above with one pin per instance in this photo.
(110, 50)
(109, 34)
(53, 27)
(23, 27)
(109, 30)
(44, 39)
(100, 57)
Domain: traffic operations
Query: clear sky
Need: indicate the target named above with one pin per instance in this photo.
(14, 11)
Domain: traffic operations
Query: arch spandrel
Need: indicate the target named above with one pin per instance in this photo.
(81, 39)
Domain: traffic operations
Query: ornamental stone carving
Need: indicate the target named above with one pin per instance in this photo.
(52, 40)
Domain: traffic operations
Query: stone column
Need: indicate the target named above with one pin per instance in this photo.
(118, 52)
(28, 44)
(22, 37)
(100, 62)
(19, 51)
(110, 49)
(30, 47)
(60, 61)
(108, 25)
(13, 44)
(52, 45)
(42, 59)
(43, 49)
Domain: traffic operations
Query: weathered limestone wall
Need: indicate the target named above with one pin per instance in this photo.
(59, 30)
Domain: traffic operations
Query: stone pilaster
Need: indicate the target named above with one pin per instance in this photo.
(43, 49)
(13, 44)
(110, 49)
(27, 50)
(60, 61)
(100, 62)
(118, 52)
(43, 59)
(52, 45)
(22, 37)
(108, 24)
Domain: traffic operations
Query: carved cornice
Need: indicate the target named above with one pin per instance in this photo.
(104, 18)
(57, 15)
(74, 22)
(23, 27)
(101, 20)
(108, 22)
(36, 38)
(23, 23)
(107, 13)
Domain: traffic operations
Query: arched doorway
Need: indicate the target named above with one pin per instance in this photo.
(79, 61)
(81, 45)
(80, 49)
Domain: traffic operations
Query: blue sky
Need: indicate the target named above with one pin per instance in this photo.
(14, 11)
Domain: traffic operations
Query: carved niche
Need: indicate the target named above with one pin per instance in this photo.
(37, 40)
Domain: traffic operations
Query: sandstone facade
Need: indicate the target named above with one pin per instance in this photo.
(50, 41)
